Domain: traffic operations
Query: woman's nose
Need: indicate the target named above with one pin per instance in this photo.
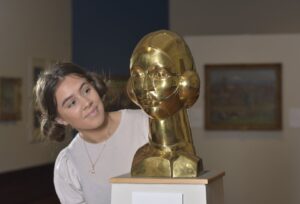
(86, 102)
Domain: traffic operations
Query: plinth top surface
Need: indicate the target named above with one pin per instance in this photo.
(204, 178)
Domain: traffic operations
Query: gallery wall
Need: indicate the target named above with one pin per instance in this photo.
(29, 30)
(261, 166)
(193, 17)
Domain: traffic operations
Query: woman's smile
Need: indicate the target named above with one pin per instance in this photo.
(92, 113)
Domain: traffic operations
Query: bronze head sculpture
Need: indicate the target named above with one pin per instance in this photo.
(164, 83)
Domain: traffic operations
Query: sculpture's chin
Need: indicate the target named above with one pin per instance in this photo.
(157, 112)
(161, 109)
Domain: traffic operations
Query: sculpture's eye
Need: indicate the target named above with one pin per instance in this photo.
(161, 74)
(158, 73)
(137, 72)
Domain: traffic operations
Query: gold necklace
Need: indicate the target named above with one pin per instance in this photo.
(93, 164)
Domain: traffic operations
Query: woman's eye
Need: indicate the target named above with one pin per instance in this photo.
(86, 90)
(71, 104)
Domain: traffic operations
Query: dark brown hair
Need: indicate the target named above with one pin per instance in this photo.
(45, 89)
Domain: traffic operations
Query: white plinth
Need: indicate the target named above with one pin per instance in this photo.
(205, 189)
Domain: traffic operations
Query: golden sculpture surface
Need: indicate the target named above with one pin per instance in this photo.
(164, 83)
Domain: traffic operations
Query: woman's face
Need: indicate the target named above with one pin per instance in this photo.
(78, 104)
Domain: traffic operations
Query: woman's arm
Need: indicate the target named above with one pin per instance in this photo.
(66, 181)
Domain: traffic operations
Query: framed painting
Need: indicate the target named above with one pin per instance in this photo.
(243, 97)
(36, 67)
(10, 99)
(116, 97)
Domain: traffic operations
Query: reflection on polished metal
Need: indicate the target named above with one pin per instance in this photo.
(164, 83)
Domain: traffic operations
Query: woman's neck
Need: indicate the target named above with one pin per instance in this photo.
(105, 131)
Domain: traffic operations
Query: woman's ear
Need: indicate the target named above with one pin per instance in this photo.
(189, 86)
(61, 121)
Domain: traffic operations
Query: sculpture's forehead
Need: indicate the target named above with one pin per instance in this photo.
(151, 57)
(162, 49)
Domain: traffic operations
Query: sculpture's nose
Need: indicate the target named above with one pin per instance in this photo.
(148, 83)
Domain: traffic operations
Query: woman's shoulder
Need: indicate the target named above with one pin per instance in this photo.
(65, 172)
(128, 114)
(134, 113)
(63, 153)
(64, 167)
(64, 158)
(136, 118)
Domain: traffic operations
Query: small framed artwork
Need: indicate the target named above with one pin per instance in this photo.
(243, 97)
(116, 97)
(36, 67)
(10, 99)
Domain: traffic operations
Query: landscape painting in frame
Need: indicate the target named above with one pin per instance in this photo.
(243, 97)
(10, 99)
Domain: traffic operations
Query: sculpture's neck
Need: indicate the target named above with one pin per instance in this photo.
(171, 132)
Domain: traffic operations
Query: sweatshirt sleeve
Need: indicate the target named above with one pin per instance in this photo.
(66, 180)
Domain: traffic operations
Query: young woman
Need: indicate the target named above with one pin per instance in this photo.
(106, 141)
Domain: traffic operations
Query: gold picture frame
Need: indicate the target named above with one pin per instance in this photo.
(243, 96)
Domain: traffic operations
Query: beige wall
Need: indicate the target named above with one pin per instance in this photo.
(194, 17)
(29, 29)
(261, 166)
